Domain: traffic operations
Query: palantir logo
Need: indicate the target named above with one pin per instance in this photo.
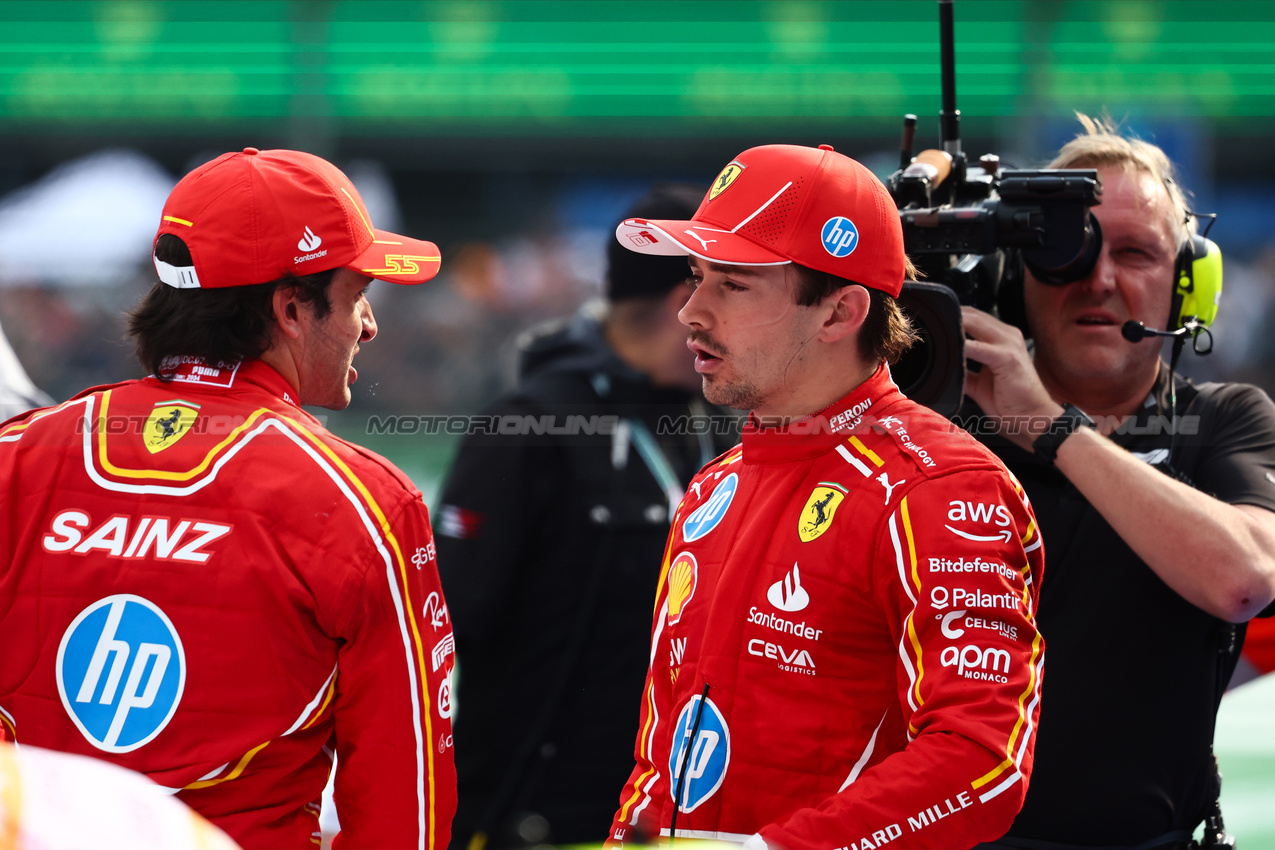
(787, 594)
(840, 236)
(121, 671)
(309, 242)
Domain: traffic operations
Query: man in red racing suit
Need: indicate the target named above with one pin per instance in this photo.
(844, 653)
(201, 583)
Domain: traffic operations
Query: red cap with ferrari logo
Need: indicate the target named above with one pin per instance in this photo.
(259, 216)
(778, 204)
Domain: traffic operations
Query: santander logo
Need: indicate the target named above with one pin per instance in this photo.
(788, 594)
(309, 242)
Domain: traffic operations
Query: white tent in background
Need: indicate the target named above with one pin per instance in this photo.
(88, 222)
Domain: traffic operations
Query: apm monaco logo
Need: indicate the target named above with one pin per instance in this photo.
(840, 236)
(309, 242)
(121, 671)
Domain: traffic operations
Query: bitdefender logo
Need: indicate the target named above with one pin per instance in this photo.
(309, 242)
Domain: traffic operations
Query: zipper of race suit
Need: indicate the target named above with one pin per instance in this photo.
(686, 757)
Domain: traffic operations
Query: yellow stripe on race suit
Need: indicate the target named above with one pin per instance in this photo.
(916, 580)
(409, 609)
(867, 452)
(327, 698)
(234, 774)
(1022, 698)
(160, 474)
(649, 696)
(991, 774)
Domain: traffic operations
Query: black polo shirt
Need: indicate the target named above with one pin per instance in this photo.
(1133, 672)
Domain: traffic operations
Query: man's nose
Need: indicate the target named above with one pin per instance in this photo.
(369, 323)
(1102, 280)
(693, 313)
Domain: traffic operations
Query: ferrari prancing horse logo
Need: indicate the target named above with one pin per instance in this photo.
(816, 516)
(723, 181)
(168, 423)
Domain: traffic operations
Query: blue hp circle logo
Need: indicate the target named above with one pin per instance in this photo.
(840, 236)
(121, 671)
(709, 758)
(706, 517)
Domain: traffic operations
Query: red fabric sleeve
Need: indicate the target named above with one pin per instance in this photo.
(396, 778)
(641, 800)
(960, 608)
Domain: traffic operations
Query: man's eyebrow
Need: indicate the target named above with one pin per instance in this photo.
(737, 271)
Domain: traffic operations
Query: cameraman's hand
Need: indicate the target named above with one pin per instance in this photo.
(1007, 388)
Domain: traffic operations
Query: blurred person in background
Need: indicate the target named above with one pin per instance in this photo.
(200, 583)
(56, 801)
(549, 547)
(17, 393)
(1157, 546)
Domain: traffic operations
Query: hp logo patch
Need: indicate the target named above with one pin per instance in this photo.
(709, 758)
(840, 236)
(121, 671)
(706, 517)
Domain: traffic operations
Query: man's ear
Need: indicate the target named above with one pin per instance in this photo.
(848, 308)
(287, 311)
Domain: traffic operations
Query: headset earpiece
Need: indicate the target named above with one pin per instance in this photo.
(1197, 277)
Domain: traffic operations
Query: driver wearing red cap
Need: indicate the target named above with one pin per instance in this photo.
(197, 580)
(844, 653)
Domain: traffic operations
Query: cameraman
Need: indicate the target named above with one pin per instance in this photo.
(1146, 572)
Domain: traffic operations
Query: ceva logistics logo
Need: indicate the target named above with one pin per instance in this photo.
(121, 671)
(709, 758)
(706, 517)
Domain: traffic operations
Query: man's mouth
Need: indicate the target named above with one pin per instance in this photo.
(1096, 319)
(705, 360)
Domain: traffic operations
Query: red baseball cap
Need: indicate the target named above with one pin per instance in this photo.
(778, 204)
(258, 216)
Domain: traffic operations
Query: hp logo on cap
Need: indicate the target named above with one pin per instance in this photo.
(840, 236)
(121, 671)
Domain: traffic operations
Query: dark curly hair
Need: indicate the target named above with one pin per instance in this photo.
(220, 325)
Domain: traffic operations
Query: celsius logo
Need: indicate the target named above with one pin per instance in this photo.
(840, 236)
(709, 757)
(706, 517)
(121, 671)
(308, 242)
(788, 594)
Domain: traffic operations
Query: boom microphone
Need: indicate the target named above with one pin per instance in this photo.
(1135, 331)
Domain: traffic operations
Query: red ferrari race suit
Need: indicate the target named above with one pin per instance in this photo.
(844, 653)
(200, 583)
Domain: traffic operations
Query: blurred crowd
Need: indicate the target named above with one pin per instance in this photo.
(448, 349)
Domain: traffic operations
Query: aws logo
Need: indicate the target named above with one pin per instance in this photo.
(983, 514)
(168, 423)
(682, 578)
(816, 516)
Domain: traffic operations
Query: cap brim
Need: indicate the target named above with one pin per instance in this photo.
(398, 259)
(670, 238)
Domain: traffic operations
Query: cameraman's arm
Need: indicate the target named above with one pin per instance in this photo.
(1218, 556)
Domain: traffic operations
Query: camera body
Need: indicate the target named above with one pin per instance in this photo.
(970, 236)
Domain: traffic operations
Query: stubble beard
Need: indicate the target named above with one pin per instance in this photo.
(739, 394)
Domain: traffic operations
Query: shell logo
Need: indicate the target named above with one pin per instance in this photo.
(682, 578)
